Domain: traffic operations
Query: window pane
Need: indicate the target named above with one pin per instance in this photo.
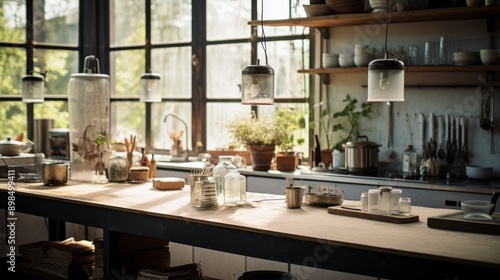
(282, 9)
(286, 58)
(13, 61)
(126, 70)
(127, 22)
(60, 65)
(57, 110)
(217, 115)
(174, 66)
(161, 129)
(13, 21)
(127, 118)
(13, 116)
(224, 65)
(56, 21)
(228, 19)
(170, 21)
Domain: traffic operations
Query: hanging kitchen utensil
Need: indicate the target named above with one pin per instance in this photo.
(421, 124)
(441, 153)
(465, 154)
(432, 138)
(447, 136)
(458, 156)
(389, 124)
(453, 142)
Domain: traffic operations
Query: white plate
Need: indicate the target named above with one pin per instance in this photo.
(478, 217)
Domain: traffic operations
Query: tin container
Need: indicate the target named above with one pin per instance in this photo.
(55, 173)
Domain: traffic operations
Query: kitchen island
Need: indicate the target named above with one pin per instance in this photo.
(309, 236)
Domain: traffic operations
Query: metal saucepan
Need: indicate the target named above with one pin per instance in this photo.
(361, 156)
(11, 147)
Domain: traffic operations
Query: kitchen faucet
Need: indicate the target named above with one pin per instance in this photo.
(186, 151)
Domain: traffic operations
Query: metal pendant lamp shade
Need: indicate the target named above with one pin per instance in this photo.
(257, 85)
(386, 80)
(33, 87)
(150, 87)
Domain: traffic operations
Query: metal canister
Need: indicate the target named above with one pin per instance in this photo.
(55, 173)
(361, 156)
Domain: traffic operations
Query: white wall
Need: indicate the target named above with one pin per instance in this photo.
(467, 35)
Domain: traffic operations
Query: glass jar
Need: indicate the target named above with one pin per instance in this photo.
(404, 206)
(364, 202)
(117, 169)
(396, 194)
(204, 195)
(222, 168)
(234, 191)
(409, 162)
(385, 200)
(373, 200)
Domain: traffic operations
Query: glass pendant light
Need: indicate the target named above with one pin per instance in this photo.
(33, 87)
(150, 87)
(257, 81)
(386, 76)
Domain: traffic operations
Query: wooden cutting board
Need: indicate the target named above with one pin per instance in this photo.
(455, 221)
(338, 210)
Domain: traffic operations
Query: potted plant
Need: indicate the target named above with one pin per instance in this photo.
(260, 135)
(290, 121)
(329, 125)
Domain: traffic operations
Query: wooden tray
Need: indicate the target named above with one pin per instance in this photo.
(351, 212)
(455, 221)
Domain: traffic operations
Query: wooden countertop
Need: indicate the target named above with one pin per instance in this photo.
(273, 218)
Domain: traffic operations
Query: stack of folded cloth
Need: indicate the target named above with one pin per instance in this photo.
(58, 258)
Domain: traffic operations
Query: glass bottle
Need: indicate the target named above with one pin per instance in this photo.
(222, 168)
(118, 169)
(234, 191)
(409, 162)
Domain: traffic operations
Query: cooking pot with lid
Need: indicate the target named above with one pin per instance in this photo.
(11, 147)
(361, 156)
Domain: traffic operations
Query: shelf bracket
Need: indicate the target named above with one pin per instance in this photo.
(325, 32)
(325, 78)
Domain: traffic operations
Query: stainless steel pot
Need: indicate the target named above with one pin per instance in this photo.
(11, 147)
(55, 173)
(361, 156)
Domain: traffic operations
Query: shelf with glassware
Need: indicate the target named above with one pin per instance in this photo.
(339, 20)
(417, 68)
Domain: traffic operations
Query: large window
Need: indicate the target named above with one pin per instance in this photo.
(198, 47)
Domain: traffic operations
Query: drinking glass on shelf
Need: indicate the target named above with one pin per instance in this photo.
(445, 50)
(412, 57)
(431, 53)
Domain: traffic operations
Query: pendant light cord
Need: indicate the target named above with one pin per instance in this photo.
(263, 42)
(386, 29)
(94, 36)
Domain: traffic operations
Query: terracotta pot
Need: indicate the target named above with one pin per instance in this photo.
(327, 157)
(286, 162)
(262, 157)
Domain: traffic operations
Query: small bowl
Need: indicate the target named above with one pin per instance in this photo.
(346, 60)
(317, 10)
(477, 209)
(490, 56)
(477, 172)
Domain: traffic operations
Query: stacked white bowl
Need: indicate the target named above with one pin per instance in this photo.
(363, 54)
(346, 60)
(466, 58)
(378, 5)
(490, 56)
(330, 60)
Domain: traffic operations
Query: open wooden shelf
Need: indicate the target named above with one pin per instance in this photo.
(422, 69)
(455, 13)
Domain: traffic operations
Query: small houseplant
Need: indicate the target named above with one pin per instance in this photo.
(290, 121)
(260, 135)
(329, 122)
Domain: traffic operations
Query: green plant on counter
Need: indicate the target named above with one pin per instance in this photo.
(327, 118)
(290, 121)
(249, 130)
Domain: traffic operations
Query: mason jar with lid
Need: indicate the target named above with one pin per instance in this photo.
(234, 188)
(223, 167)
